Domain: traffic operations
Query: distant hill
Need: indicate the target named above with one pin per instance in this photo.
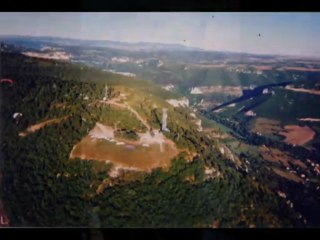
(39, 42)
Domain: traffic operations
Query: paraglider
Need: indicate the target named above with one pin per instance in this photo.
(17, 116)
(7, 80)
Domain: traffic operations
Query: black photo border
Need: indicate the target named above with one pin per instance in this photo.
(311, 6)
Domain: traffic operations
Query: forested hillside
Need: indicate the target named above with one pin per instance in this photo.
(42, 186)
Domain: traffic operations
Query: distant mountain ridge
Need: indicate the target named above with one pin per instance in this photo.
(39, 41)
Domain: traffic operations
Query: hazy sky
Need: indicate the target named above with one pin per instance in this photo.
(281, 33)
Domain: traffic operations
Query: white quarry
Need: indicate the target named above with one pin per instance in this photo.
(183, 102)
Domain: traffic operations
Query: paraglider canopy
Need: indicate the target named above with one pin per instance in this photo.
(16, 115)
(6, 80)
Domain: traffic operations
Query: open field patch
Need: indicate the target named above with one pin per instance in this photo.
(266, 126)
(297, 135)
(304, 90)
(288, 175)
(152, 150)
(303, 69)
(263, 67)
(277, 156)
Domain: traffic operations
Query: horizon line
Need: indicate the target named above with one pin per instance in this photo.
(195, 48)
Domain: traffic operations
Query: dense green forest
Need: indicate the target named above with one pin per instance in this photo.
(41, 186)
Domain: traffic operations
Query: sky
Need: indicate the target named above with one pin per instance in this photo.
(280, 33)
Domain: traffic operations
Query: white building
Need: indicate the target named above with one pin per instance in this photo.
(250, 113)
(120, 59)
(195, 90)
(168, 87)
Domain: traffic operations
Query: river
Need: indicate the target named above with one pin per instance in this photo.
(249, 93)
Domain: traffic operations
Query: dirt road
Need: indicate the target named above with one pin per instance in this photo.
(126, 106)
